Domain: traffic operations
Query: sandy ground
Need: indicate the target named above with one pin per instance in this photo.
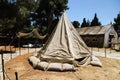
(109, 71)
(20, 64)
(9, 56)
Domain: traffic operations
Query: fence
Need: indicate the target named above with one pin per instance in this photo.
(10, 55)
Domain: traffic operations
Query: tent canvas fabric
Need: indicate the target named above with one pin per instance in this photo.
(64, 47)
(34, 32)
(106, 30)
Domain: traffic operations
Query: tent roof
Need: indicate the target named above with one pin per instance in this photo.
(65, 42)
(93, 30)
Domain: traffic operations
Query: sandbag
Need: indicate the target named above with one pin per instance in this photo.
(42, 65)
(55, 66)
(95, 61)
(68, 67)
(34, 60)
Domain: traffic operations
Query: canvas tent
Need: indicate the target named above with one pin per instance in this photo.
(63, 50)
(99, 35)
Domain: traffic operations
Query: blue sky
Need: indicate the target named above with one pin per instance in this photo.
(106, 10)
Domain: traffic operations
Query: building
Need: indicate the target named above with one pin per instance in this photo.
(98, 36)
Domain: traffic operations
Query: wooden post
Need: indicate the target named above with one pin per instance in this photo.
(5, 47)
(3, 69)
(98, 49)
(105, 52)
(110, 46)
(110, 49)
(16, 75)
(2, 65)
(10, 52)
(28, 49)
(36, 44)
(91, 50)
(35, 49)
(19, 46)
(10, 48)
(15, 49)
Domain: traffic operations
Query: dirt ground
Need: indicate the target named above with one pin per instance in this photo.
(20, 64)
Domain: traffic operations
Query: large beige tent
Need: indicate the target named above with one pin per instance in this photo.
(101, 35)
(64, 49)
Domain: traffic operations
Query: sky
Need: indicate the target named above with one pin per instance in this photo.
(106, 10)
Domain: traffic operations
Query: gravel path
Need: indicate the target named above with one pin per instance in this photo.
(108, 55)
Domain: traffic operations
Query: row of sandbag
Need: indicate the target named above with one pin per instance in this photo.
(36, 63)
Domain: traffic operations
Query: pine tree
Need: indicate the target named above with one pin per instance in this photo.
(84, 23)
(49, 12)
(88, 23)
(95, 21)
(117, 23)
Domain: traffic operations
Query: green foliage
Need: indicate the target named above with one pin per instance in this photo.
(117, 23)
(19, 15)
(29, 4)
(25, 9)
(15, 16)
(49, 12)
(95, 21)
(8, 13)
(88, 23)
(7, 10)
(76, 24)
(84, 23)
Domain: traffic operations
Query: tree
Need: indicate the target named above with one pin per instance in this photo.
(49, 12)
(44, 13)
(117, 23)
(8, 12)
(15, 15)
(76, 24)
(24, 17)
(84, 23)
(95, 21)
(88, 23)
